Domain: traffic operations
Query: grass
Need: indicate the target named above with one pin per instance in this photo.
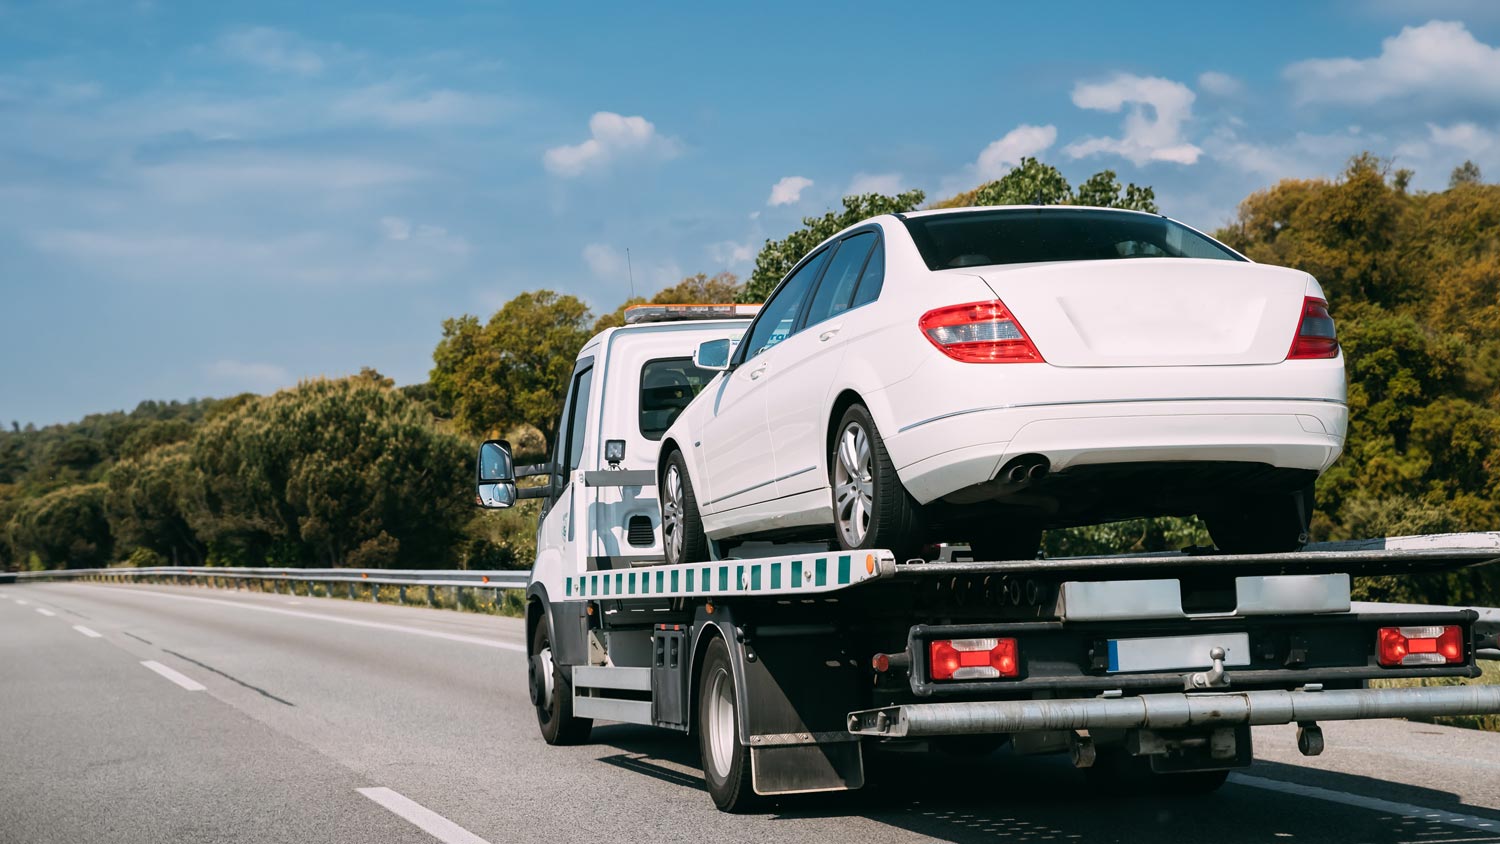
(1491, 677)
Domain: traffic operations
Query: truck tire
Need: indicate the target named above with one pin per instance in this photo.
(871, 509)
(682, 537)
(726, 762)
(554, 713)
(1265, 524)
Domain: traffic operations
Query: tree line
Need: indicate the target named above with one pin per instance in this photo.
(358, 472)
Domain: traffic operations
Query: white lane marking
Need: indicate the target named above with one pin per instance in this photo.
(22, 601)
(374, 625)
(87, 632)
(294, 603)
(1373, 803)
(180, 679)
(422, 817)
(45, 611)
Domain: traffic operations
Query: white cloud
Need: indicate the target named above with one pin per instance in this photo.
(612, 265)
(788, 190)
(727, 252)
(1304, 155)
(272, 49)
(240, 375)
(1024, 141)
(1440, 61)
(755, 215)
(1154, 135)
(604, 261)
(1219, 84)
(240, 173)
(611, 136)
(1467, 138)
(395, 228)
(394, 104)
(886, 183)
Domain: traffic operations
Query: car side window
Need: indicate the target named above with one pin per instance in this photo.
(778, 317)
(836, 290)
(872, 279)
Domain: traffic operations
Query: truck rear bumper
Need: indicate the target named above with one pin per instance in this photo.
(1172, 711)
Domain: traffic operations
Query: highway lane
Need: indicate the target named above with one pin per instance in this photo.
(306, 702)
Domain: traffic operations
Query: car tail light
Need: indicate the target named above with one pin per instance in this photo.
(973, 659)
(1420, 646)
(1316, 337)
(979, 332)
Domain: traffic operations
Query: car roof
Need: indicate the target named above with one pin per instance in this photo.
(933, 212)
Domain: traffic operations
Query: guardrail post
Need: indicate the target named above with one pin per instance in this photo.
(401, 594)
(375, 592)
(431, 597)
(351, 590)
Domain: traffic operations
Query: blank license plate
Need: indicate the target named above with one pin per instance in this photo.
(1171, 652)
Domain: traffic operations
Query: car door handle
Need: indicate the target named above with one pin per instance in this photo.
(828, 333)
(757, 372)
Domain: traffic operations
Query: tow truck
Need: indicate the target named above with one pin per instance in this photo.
(790, 662)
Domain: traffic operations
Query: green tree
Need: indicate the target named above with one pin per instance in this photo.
(1102, 190)
(65, 528)
(144, 505)
(1466, 173)
(331, 472)
(701, 289)
(777, 257)
(1029, 183)
(512, 370)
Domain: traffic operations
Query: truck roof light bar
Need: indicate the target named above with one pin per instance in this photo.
(641, 314)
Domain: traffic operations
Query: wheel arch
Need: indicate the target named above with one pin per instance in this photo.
(846, 399)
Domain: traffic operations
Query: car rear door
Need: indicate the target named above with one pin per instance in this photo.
(805, 367)
(737, 453)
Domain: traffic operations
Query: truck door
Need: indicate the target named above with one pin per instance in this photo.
(559, 536)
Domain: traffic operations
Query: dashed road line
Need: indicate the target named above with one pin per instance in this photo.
(422, 817)
(46, 612)
(1374, 803)
(22, 601)
(92, 634)
(175, 676)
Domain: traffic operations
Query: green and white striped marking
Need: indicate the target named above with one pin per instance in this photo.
(800, 575)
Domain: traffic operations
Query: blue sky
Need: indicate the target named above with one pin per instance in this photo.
(200, 199)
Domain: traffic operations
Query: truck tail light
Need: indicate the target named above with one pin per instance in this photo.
(1316, 337)
(973, 659)
(979, 332)
(1398, 646)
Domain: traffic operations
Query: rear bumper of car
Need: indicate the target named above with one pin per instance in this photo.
(957, 450)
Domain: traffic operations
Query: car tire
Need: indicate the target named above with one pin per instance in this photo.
(682, 537)
(554, 715)
(1264, 524)
(1006, 542)
(871, 509)
(726, 761)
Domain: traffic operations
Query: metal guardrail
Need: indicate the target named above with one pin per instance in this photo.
(352, 578)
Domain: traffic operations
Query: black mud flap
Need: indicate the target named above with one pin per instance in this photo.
(805, 768)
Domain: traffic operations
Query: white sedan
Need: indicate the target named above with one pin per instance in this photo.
(983, 374)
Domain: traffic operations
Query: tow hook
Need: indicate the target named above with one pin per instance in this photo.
(1214, 678)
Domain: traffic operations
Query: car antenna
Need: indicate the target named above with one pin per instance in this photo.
(631, 270)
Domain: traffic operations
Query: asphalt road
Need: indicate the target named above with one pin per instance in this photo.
(271, 718)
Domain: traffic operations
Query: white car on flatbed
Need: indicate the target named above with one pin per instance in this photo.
(983, 374)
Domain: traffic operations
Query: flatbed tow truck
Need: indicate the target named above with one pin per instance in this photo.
(790, 662)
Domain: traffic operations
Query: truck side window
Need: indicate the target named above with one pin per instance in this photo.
(872, 279)
(578, 418)
(567, 452)
(778, 315)
(668, 385)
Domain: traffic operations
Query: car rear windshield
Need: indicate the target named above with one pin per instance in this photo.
(1030, 235)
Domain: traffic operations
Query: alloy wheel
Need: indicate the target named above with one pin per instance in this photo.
(853, 484)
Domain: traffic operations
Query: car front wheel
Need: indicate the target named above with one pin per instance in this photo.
(871, 509)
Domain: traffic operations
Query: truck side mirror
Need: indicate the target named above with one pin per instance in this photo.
(714, 354)
(495, 476)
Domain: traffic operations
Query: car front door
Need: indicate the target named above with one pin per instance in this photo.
(807, 363)
(736, 441)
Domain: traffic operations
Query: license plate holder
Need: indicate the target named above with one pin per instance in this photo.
(1171, 653)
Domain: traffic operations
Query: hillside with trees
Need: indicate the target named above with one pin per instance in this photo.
(357, 472)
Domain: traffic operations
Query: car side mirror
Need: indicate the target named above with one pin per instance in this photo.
(714, 355)
(495, 476)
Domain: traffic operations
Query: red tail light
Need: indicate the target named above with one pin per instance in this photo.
(1397, 646)
(979, 332)
(973, 659)
(1316, 337)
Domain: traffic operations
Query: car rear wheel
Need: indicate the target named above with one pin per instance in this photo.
(871, 509)
(1263, 524)
(682, 537)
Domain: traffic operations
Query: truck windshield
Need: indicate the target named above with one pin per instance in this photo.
(1030, 235)
(667, 386)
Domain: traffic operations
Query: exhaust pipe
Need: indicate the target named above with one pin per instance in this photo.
(1023, 470)
(1037, 472)
(1017, 474)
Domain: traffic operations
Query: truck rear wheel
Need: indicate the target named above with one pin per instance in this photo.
(552, 693)
(726, 762)
(871, 509)
(682, 537)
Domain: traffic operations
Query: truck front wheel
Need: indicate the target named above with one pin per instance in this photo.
(552, 693)
(726, 762)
